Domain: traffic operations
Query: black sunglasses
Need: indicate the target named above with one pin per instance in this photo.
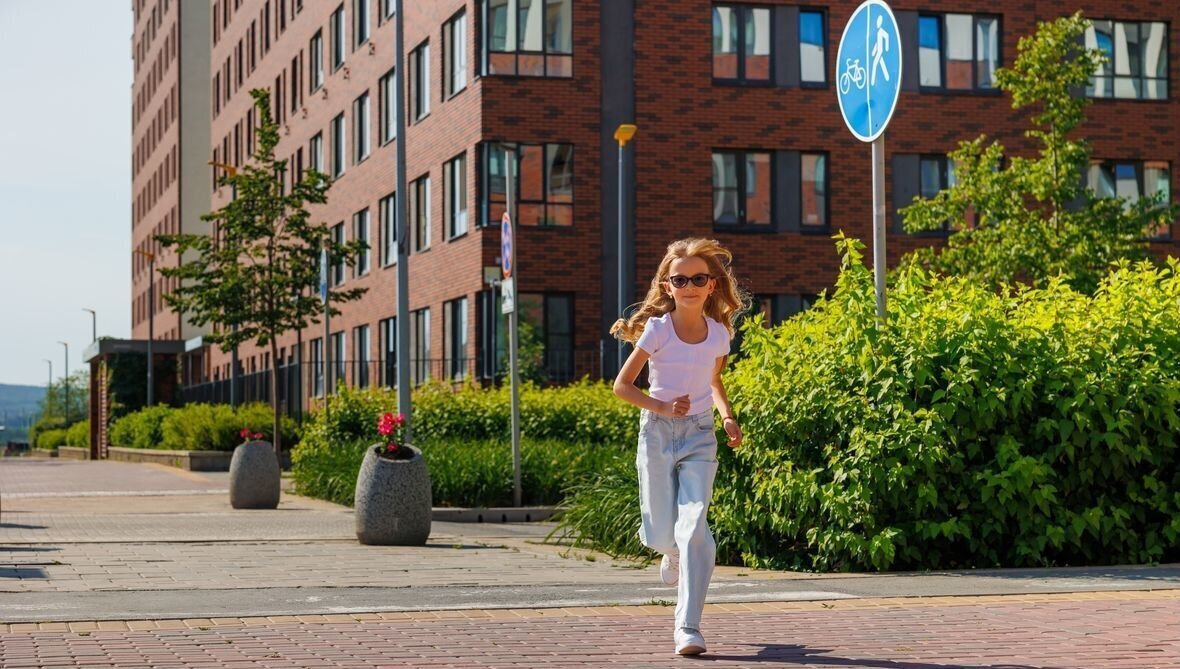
(698, 280)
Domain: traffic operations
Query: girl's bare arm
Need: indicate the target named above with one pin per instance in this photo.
(626, 389)
(721, 401)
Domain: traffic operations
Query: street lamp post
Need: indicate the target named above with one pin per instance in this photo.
(66, 382)
(93, 324)
(48, 386)
(623, 134)
(151, 318)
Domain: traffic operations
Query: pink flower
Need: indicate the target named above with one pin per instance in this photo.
(245, 433)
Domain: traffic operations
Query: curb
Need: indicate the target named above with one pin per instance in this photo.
(496, 514)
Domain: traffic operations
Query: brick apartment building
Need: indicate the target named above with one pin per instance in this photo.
(740, 138)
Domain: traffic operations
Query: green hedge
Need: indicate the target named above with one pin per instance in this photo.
(975, 429)
(196, 427)
(52, 438)
(567, 433)
(79, 434)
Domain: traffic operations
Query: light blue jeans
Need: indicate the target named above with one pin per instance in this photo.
(677, 461)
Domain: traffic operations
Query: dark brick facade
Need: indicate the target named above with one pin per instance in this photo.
(682, 115)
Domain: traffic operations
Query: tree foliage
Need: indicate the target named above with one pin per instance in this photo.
(255, 277)
(1033, 219)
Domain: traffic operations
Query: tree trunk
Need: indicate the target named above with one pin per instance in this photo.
(274, 397)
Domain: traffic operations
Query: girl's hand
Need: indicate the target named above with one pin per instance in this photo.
(676, 407)
(734, 431)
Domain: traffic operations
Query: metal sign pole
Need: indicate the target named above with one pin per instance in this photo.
(513, 331)
(879, 223)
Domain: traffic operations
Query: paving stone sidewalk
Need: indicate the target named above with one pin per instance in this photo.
(1095, 631)
(119, 565)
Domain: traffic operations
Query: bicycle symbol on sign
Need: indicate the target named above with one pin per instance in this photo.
(854, 74)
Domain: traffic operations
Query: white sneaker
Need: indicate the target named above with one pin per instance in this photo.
(670, 569)
(689, 641)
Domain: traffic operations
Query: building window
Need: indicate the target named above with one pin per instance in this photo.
(315, 152)
(295, 85)
(741, 43)
(387, 330)
(958, 52)
(388, 102)
(455, 338)
(360, 344)
(455, 195)
(338, 146)
(420, 212)
(419, 65)
(813, 47)
(387, 7)
(813, 197)
(551, 317)
(360, 31)
(544, 183)
(360, 127)
(420, 346)
(337, 32)
(455, 53)
(315, 52)
(1132, 181)
(1137, 65)
(337, 269)
(317, 367)
(360, 231)
(388, 213)
(528, 37)
(742, 193)
(339, 359)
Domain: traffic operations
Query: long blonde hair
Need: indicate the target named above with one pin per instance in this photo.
(724, 305)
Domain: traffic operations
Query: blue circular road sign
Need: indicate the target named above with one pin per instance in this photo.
(506, 245)
(868, 70)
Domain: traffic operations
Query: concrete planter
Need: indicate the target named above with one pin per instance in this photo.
(393, 500)
(254, 476)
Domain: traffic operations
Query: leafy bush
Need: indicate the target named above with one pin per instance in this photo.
(51, 439)
(142, 429)
(196, 427)
(79, 434)
(464, 435)
(974, 428)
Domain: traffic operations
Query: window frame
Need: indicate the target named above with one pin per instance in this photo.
(742, 224)
(339, 146)
(1139, 165)
(485, 50)
(336, 274)
(361, 221)
(362, 347)
(943, 46)
(315, 49)
(419, 210)
(804, 227)
(741, 10)
(825, 27)
(418, 64)
(361, 19)
(387, 92)
(362, 145)
(455, 340)
(451, 168)
(485, 177)
(337, 26)
(1112, 78)
(449, 55)
(387, 211)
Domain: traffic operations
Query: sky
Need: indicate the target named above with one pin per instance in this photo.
(65, 181)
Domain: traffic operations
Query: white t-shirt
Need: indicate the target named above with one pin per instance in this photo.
(678, 368)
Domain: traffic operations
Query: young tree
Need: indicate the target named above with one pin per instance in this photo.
(1034, 218)
(255, 276)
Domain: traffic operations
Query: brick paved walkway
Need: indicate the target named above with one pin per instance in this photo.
(1119, 630)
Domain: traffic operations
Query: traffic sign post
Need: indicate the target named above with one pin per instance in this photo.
(868, 83)
(508, 297)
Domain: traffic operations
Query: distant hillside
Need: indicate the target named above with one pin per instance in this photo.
(19, 400)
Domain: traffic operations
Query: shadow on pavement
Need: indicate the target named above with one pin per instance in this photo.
(784, 653)
(20, 526)
(28, 549)
(22, 572)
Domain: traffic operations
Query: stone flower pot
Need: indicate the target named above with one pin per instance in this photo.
(393, 500)
(254, 476)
